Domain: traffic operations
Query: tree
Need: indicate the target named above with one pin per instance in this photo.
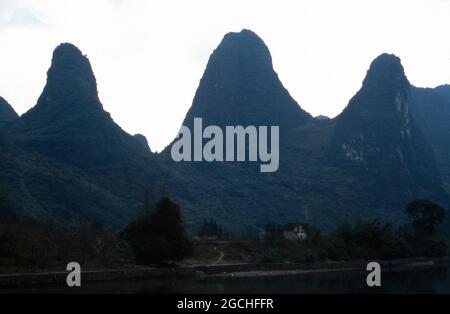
(425, 215)
(159, 235)
(210, 229)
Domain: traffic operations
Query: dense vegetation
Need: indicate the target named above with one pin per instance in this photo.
(365, 240)
(158, 235)
(33, 247)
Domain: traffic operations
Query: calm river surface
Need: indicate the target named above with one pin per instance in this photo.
(428, 280)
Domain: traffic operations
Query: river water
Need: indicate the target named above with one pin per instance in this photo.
(426, 280)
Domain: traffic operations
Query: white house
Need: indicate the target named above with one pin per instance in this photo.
(294, 232)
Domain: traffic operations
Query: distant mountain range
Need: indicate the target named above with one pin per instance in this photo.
(67, 161)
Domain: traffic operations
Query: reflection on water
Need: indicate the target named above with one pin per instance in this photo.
(429, 280)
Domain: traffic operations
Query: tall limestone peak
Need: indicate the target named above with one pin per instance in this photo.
(386, 71)
(7, 113)
(71, 70)
(378, 115)
(384, 94)
(70, 73)
(81, 163)
(71, 88)
(240, 87)
(68, 121)
(376, 136)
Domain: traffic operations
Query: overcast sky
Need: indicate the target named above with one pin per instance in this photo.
(148, 56)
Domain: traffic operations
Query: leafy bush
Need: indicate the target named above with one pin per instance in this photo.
(158, 236)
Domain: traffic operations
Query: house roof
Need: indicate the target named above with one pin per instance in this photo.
(291, 226)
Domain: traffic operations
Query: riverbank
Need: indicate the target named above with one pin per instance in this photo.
(233, 270)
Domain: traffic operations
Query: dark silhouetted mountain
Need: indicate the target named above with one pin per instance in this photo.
(69, 122)
(96, 162)
(430, 108)
(376, 139)
(7, 113)
(240, 87)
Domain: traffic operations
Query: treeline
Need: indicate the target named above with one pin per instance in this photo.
(35, 247)
(213, 231)
(158, 237)
(364, 240)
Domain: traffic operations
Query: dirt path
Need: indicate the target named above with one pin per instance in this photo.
(219, 260)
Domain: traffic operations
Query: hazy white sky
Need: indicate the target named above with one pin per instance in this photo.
(148, 56)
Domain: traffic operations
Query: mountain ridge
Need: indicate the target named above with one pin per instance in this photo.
(66, 158)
